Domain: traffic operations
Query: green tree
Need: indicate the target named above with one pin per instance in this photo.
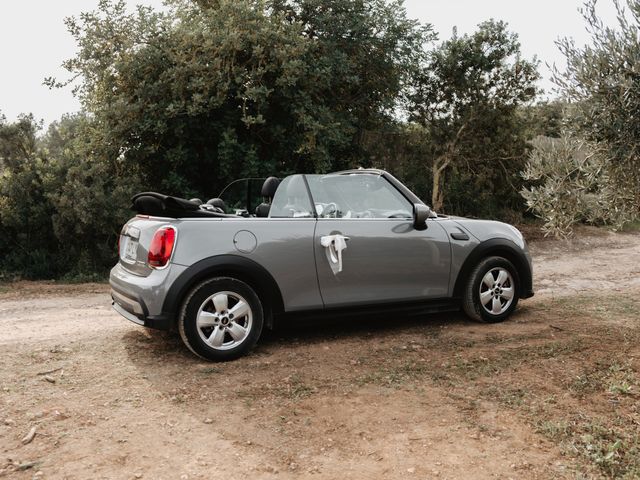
(466, 99)
(362, 55)
(63, 199)
(27, 244)
(89, 189)
(546, 118)
(214, 90)
(602, 80)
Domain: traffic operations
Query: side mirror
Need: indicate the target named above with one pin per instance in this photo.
(420, 215)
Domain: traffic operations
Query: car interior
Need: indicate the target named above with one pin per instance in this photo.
(268, 191)
(335, 196)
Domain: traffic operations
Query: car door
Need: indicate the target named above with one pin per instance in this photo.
(285, 244)
(366, 247)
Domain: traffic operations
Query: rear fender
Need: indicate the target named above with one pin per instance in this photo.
(241, 268)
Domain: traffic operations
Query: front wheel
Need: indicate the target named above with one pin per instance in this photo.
(221, 319)
(491, 293)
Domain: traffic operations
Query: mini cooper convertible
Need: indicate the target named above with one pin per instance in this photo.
(350, 242)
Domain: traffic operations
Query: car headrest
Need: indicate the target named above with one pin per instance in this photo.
(269, 187)
(218, 203)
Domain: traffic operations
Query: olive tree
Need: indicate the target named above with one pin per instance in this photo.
(592, 174)
(569, 183)
(601, 80)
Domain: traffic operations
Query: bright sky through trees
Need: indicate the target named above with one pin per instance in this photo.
(34, 40)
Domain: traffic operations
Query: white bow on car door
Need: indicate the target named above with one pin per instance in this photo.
(334, 245)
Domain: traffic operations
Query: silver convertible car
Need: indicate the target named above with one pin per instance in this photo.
(344, 243)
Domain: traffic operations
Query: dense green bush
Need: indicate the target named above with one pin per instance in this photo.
(185, 100)
(61, 202)
(26, 241)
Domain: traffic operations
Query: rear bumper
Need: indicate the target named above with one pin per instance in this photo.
(134, 310)
(125, 313)
(130, 305)
(139, 299)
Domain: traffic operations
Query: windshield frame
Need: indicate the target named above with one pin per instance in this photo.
(340, 199)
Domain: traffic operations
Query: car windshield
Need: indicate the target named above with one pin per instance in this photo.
(357, 195)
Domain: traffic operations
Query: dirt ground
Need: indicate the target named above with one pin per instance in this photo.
(552, 393)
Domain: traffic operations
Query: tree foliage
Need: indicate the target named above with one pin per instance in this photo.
(466, 99)
(570, 184)
(61, 202)
(592, 174)
(25, 213)
(212, 91)
(545, 119)
(89, 191)
(188, 99)
(602, 81)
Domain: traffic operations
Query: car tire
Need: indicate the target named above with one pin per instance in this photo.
(491, 292)
(221, 319)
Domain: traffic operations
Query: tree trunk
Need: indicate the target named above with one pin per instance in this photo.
(439, 166)
(437, 194)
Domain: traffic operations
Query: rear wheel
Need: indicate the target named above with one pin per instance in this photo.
(221, 319)
(491, 293)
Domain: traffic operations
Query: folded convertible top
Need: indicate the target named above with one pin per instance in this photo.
(159, 205)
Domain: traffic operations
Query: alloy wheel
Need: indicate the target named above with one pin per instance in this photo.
(496, 291)
(224, 320)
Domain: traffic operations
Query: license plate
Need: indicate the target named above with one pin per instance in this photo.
(131, 249)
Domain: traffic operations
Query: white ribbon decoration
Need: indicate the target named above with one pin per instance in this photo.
(334, 245)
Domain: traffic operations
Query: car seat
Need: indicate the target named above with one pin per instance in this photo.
(217, 204)
(268, 191)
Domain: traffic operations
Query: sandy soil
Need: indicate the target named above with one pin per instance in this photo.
(601, 262)
(436, 397)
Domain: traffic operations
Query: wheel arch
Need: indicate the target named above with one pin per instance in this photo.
(235, 266)
(500, 248)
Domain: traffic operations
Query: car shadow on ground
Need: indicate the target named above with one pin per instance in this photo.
(300, 358)
(326, 329)
(275, 367)
(142, 343)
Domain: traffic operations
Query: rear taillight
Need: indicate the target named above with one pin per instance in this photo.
(161, 247)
